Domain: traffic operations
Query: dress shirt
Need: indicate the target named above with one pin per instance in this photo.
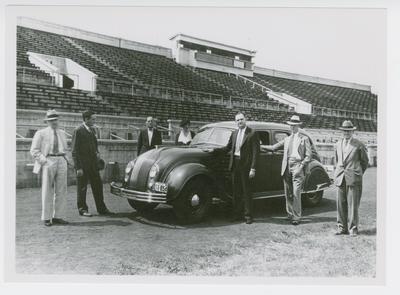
(185, 138)
(60, 146)
(295, 146)
(239, 140)
(150, 135)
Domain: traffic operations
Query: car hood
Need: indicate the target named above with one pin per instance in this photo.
(166, 158)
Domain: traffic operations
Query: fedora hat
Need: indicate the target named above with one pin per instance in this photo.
(51, 115)
(347, 125)
(294, 120)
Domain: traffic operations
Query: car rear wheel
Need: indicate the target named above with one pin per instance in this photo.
(312, 199)
(194, 201)
(142, 207)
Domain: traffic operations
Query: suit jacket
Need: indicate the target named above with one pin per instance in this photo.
(42, 143)
(249, 149)
(351, 163)
(143, 141)
(177, 137)
(304, 150)
(84, 148)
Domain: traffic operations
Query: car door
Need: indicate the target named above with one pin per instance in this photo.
(275, 161)
(261, 180)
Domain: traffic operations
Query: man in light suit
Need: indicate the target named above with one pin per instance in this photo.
(244, 149)
(149, 137)
(351, 163)
(49, 147)
(297, 154)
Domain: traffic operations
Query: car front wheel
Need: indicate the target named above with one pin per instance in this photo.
(194, 201)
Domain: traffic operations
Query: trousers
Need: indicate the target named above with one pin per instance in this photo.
(54, 188)
(91, 175)
(242, 197)
(293, 179)
(348, 202)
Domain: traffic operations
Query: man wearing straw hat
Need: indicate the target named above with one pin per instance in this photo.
(351, 163)
(297, 154)
(49, 147)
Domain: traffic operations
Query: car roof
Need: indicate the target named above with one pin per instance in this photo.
(252, 124)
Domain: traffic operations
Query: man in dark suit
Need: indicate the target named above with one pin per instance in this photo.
(149, 137)
(244, 148)
(86, 158)
(351, 163)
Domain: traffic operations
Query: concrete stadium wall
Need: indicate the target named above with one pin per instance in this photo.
(116, 154)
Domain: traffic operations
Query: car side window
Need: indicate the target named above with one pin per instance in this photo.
(279, 136)
(263, 137)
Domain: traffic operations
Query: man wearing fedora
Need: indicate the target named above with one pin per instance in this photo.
(297, 154)
(351, 163)
(87, 164)
(49, 147)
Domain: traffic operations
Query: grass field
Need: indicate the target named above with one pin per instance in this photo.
(130, 244)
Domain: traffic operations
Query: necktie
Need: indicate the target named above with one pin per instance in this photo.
(55, 142)
(290, 148)
(239, 140)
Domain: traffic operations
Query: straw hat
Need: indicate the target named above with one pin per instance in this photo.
(294, 120)
(347, 125)
(51, 115)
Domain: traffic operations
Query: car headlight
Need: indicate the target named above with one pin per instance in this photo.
(154, 171)
(128, 169)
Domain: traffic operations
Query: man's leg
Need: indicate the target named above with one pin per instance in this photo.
(288, 185)
(97, 189)
(247, 196)
(353, 199)
(81, 189)
(342, 211)
(60, 188)
(297, 180)
(47, 190)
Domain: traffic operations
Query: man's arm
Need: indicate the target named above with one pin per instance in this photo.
(75, 142)
(272, 148)
(364, 157)
(35, 148)
(255, 147)
(308, 154)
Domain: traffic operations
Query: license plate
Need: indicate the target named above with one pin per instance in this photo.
(160, 187)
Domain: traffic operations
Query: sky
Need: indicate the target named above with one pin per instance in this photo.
(341, 44)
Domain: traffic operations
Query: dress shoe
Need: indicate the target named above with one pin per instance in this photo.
(85, 213)
(341, 232)
(106, 213)
(295, 222)
(249, 220)
(59, 221)
(47, 222)
(354, 232)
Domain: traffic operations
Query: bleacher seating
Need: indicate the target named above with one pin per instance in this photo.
(154, 70)
(322, 95)
(43, 97)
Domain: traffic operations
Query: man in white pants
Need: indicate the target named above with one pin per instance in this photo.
(49, 147)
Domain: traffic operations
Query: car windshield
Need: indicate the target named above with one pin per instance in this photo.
(212, 136)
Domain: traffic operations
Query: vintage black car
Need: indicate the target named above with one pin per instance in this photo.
(191, 178)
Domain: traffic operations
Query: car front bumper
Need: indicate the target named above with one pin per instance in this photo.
(148, 197)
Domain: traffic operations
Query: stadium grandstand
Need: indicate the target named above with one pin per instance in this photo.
(124, 81)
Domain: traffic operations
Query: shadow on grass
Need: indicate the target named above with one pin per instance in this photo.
(100, 223)
(266, 211)
(368, 232)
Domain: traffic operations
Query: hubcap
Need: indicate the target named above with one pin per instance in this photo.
(195, 201)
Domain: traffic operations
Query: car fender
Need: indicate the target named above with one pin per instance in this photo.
(181, 174)
(317, 176)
